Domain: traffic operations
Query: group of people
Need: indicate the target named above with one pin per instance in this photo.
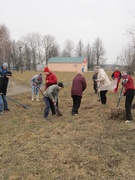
(102, 84)
(52, 89)
(116, 75)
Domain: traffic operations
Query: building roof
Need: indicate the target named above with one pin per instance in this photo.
(66, 59)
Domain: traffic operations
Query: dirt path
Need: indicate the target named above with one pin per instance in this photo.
(13, 89)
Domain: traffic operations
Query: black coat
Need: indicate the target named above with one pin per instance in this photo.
(3, 85)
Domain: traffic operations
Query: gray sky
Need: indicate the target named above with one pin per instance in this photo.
(71, 19)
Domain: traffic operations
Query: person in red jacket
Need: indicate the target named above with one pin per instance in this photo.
(116, 75)
(129, 91)
(50, 79)
(78, 86)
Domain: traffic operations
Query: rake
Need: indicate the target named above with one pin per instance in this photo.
(23, 105)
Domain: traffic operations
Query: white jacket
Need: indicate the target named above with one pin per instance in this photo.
(102, 80)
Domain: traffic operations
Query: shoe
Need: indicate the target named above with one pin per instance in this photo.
(45, 118)
(32, 99)
(53, 114)
(127, 121)
(37, 98)
(7, 109)
(75, 114)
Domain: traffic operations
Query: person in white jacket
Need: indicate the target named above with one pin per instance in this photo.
(102, 83)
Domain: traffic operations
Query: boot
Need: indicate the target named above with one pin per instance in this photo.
(37, 98)
(32, 97)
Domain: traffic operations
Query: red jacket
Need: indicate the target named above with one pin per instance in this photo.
(128, 84)
(116, 75)
(50, 79)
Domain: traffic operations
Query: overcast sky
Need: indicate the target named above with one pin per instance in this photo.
(71, 19)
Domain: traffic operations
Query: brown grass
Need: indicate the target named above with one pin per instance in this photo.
(97, 144)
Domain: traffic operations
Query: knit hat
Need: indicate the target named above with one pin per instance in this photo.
(116, 69)
(5, 64)
(124, 75)
(46, 69)
(39, 78)
(60, 84)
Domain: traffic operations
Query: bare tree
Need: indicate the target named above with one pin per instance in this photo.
(88, 54)
(28, 57)
(98, 52)
(5, 44)
(33, 40)
(127, 58)
(32, 48)
(48, 43)
(54, 51)
(80, 49)
(68, 48)
(15, 55)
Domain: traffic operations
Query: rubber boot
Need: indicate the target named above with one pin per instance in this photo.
(32, 97)
(37, 98)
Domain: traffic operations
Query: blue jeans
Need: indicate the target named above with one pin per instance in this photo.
(5, 104)
(35, 90)
(1, 103)
(47, 108)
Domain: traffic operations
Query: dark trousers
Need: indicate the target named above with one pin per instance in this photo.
(49, 105)
(76, 104)
(128, 102)
(95, 88)
(103, 96)
(52, 107)
(47, 108)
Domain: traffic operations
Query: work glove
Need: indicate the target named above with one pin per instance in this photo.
(54, 102)
(121, 95)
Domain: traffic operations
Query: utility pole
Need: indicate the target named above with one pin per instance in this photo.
(20, 48)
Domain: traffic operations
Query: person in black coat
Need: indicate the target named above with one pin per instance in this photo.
(94, 77)
(78, 86)
(5, 74)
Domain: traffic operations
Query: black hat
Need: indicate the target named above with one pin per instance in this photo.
(60, 84)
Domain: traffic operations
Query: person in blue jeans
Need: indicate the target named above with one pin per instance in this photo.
(51, 96)
(36, 84)
(5, 74)
(1, 104)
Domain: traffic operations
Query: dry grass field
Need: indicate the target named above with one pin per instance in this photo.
(96, 145)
